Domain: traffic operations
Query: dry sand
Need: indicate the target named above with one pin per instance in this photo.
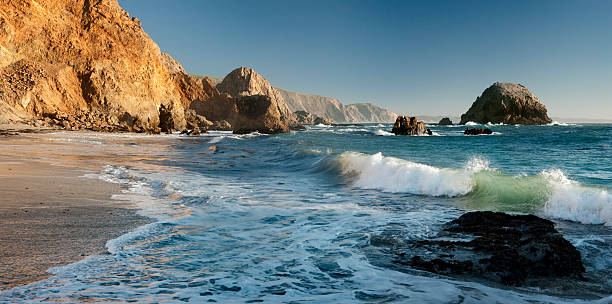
(50, 215)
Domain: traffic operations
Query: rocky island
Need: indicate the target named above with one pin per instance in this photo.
(507, 103)
(405, 125)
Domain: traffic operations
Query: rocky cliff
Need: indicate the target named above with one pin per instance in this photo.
(86, 64)
(246, 82)
(61, 57)
(507, 103)
(331, 108)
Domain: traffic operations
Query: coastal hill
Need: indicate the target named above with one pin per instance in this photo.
(332, 108)
(329, 108)
(88, 65)
(507, 103)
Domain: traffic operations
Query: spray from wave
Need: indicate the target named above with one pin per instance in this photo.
(481, 187)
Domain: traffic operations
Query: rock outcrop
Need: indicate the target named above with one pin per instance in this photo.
(507, 103)
(509, 249)
(246, 82)
(245, 101)
(445, 122)
(83, 64)
(477, 131)
(333, 109)
(306, 118)
(405, 125)
(59, 58)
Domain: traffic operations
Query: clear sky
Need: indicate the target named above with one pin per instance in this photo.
(426, 57)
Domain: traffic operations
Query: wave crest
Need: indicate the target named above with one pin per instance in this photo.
(397, 175)
(551, 192)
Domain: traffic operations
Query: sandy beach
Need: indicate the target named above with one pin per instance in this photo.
(50, 214)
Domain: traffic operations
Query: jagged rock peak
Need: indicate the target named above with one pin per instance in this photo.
(246, 82)
(507, 103)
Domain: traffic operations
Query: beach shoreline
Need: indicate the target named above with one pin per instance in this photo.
(51, 213)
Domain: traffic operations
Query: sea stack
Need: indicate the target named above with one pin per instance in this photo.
(445, 122)
(405, 125)
(507, 103)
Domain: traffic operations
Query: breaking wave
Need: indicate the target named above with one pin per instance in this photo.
(550, 192)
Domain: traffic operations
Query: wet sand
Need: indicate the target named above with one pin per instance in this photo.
(50, 215)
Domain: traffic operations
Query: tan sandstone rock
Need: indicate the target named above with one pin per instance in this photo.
(58, 57)
(246, 82)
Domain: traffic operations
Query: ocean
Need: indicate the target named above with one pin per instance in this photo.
(288, 218)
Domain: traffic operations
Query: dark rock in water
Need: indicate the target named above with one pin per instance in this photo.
(507, 103)
(405, 125)
(509, 249)
(477, 131)
(445, 122)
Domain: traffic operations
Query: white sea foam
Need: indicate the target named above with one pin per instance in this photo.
(561, 197)
(397, 175)
(383, 133)
(471, 123)
(572, 201)
(556, 123)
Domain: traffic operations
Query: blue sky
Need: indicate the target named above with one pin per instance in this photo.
(427, 57)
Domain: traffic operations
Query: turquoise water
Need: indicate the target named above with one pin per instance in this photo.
(287, 218)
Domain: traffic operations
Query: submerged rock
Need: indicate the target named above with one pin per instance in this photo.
(507, 103)
(509, 249)
(445, 122)
(405, 125)
(477, 131)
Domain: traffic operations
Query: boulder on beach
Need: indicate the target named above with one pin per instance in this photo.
(507, 103)
(509, 249)
(445, 122)
(405, 125)
(477, 131)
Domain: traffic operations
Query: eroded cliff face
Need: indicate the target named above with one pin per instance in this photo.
(60, 57)
(507, 103)
(333, 109)
(246, 82)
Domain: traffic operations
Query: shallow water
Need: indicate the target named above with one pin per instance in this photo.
(288, 218)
